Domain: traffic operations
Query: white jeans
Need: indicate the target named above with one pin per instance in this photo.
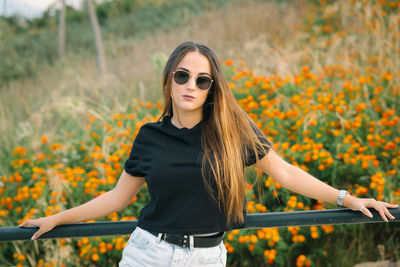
(142, 249)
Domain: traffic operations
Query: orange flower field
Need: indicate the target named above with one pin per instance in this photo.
(338, 121)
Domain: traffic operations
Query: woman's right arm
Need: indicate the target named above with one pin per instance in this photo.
(112, 201)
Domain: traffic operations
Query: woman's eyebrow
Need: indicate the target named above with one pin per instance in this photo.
(199, 73)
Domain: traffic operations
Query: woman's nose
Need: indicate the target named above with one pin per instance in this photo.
(191, 84)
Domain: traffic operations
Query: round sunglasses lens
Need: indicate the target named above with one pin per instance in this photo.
(203, 82)
(181, 77)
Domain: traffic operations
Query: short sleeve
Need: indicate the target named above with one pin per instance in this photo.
(137, 163)
(251, 155)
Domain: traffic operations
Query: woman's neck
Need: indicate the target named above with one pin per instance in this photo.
(186, 119)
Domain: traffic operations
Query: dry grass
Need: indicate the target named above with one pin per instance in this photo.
(264, 34)
(244, 30)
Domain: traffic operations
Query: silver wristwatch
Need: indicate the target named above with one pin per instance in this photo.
(340, 198)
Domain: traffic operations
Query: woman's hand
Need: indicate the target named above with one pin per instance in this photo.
(45, 224)
(361, 204)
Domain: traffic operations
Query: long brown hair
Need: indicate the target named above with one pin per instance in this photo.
(227, 134)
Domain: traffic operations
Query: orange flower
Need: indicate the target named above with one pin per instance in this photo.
(300, 260)
(44, 139)
(243, 239)
(230, 237)
(365, 165)
(285, 145)
(314, 235)
(327, 228)
(95, 257)
(390, 145)
(387, 76)
(85, 241)
(19, 150)
(113, 158)
(235, 232)
(360, 107)
(92, 118)
(21, 257)
(229, 248)
(229, 62)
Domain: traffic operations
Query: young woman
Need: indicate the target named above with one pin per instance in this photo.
(193, 162)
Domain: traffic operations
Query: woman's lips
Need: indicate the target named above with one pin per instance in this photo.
(188, 97)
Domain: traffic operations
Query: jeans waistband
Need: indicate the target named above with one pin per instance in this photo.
(185, 240)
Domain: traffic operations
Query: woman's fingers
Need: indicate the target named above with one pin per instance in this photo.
(388, 214)
(391, 206)
(36, 222)
(377, 205)
(386, 211)
(366, 211)
(383, 207)
(23, 223)
(380, 206)
(36, 235)
(29, 221)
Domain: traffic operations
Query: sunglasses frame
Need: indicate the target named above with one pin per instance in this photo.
(190, 76)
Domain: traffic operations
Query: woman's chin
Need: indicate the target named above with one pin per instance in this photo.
(189, 108)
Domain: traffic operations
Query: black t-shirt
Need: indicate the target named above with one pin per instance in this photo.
(170, 159)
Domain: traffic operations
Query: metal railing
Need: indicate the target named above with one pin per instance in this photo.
(254, 221)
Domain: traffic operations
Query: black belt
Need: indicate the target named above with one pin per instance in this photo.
(198, 241)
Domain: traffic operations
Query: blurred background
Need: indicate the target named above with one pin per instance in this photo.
(79, 77)
(48, 56)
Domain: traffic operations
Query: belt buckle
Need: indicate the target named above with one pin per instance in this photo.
(185, 241)
(164, 236)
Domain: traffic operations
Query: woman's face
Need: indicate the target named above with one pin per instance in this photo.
(188, 97)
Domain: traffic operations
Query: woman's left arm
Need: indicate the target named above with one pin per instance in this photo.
(299, 181)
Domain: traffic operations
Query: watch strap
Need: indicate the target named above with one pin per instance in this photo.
(340, 199)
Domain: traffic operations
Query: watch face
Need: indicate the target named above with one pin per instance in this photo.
(340, 199)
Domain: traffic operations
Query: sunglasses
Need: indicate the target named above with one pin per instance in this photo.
(202, 81)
